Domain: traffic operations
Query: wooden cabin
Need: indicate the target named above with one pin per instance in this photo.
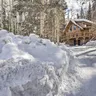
(77, 32)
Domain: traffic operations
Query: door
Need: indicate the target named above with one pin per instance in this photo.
(79, 43)
(74, 42)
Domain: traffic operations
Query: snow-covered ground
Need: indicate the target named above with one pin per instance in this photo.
(86, 56)
(31, 66)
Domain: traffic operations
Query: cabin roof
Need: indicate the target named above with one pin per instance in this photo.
(83, 20)
(76, 21)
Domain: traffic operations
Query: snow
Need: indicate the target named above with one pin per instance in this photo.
(91, 43)
(32, 66)
(86, 70)
(74, 21)
(85, 20)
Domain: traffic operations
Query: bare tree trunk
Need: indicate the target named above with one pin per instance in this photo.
(42, 24)
(57, 29)
(2, 14)
(42, 16)
(17, 18)
(9, 27)
(20, 23)
(10, 16)
(52, 29)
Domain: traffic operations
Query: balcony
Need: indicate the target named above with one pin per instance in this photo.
(71, 35)
(87, 27)
(79, 34)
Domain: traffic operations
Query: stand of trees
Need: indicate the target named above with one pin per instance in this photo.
(43, 17)
(94, 10)
(90, 14)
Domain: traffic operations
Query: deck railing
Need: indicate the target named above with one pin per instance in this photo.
(71, 35)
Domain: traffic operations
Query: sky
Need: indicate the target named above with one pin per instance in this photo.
(73, 9)
(72, 3)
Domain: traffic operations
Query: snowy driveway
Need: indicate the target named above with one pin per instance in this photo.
(87, 69)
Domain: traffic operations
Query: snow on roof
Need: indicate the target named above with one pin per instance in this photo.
(74, 21)
(77, 24)
(83, 20)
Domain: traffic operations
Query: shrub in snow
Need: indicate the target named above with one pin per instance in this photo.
(7, 39)
(26, 40)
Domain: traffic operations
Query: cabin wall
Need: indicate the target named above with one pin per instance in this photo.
(75, 36)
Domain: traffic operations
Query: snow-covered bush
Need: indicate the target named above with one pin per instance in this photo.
(26, 40)
(7, 39)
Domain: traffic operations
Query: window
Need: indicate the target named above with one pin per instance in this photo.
(71, 28)
(74, 27)
(85, 25)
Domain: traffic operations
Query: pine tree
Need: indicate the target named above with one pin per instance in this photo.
(78, 16)
(41, 15)
(94, 5)
(89, 12)
(94, 10)
(82, 13)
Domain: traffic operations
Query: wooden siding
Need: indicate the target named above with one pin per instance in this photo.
(77, 35)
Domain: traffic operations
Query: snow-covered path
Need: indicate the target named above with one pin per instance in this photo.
(88, 87)
(86, 70)
(86, 52)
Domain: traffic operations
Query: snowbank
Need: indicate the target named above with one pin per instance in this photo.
(91, 43)
(31, 66)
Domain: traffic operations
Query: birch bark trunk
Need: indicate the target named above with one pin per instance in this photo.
(10, 16)
(57, 29)
(42, 15)
(2, 14)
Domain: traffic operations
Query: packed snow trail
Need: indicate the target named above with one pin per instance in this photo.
(87, 70)
(85, 52)
(88, 79)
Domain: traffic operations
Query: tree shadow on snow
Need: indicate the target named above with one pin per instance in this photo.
(88, 88)
(87, 62)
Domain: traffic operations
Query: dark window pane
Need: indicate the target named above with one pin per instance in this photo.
(74, 27)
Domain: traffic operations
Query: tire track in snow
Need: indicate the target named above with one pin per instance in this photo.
(85, 52)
